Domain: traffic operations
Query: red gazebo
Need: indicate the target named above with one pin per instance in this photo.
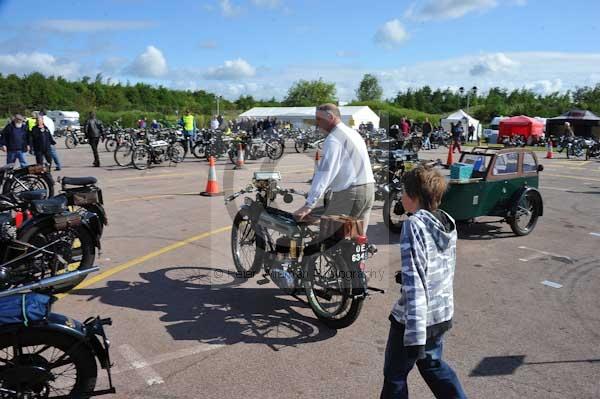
(521, 126)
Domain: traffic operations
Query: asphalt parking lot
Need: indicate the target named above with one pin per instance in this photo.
(527, 320)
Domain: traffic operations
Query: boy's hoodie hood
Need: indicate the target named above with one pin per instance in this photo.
(440, 225)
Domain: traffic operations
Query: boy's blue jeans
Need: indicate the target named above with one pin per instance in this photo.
(12, 156)
(438, 375)
(55, 156)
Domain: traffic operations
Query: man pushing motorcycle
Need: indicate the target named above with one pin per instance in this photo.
(344, 169)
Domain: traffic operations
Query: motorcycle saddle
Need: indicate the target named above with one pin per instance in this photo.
(33, 195)
(79, 181)
(50, 206)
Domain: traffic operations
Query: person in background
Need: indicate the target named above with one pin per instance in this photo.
(40, 141)
(471, 134)
(394, 132)
(49, 123)
(142, 123)
(31, 121)
(404, 127)
(427, 129)
(214, 123)
(569, 131)
(94, 130)
(189, 130)
(457, 131)
(14, 141)
(423, 313)
(154, 125)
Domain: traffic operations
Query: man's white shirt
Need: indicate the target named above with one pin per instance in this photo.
(345, 163)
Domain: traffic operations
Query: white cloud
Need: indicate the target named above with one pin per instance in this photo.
(231, 70)
(24, 63)
(82, 25)
(228, 9)
(545, 86)
(492, 63)
(447, 9)
(346, 54)
(149, 64)
(267, 3)
(391, 34)
(113, 65)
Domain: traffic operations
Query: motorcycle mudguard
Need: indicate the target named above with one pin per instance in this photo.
(91, 221)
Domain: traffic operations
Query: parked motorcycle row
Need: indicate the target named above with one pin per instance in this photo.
(48, 245)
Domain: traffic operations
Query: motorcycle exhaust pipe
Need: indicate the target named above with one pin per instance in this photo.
(49, 282)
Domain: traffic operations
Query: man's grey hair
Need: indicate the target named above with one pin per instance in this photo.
(331, 109)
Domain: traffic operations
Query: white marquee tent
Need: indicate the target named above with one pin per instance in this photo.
(303, 117)
(460, 115)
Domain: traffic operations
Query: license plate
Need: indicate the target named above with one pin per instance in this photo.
(360, 253)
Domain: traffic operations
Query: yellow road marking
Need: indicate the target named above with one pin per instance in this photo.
(572, 177)
(577, 163)
(144, 258)
(164, 175)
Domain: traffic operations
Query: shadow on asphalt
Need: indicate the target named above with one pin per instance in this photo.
(208, 305)
(507, 365)
(379, 234)
(483, 231)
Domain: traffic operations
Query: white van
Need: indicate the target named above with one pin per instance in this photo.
(494, 126)
(64, 120)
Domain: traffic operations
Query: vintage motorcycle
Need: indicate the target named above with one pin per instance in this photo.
(48, 355)
(33, 177)
(154, 151)
(255, 148)
(293, 255)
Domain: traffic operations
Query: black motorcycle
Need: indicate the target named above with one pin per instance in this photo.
(48, 355)
(329, 270)
(34, 177)
(61, 240)
(268, 146)
(155, 151)
(75, 137)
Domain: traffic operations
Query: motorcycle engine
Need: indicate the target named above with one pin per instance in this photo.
(282, 272)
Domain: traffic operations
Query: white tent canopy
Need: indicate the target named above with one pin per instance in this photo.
(303, 117)
(461, 115)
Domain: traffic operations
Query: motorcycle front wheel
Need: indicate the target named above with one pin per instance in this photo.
(299, 146)
(43, 363)
(274, 150)
(393, 212)
(199, 151)
(328, 294)
(110, 145)
(70, 142)
(246, 247)
(141, 157)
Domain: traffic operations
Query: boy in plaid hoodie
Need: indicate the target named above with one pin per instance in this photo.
(424, 311)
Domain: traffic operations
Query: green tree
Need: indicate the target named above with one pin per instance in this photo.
(306, 93)
(369, 89)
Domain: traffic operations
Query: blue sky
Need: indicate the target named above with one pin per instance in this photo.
(261, 47)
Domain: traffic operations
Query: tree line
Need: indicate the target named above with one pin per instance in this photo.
(36, 91)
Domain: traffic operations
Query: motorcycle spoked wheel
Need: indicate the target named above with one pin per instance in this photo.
(328, 295)
(246, 246)
(199, 151)
(111, 145)
(42, 363)
(70, 142)
(30, 182)
(78, 250)
(299, 146)
(123, 154)
(141, 157)
(176, 153)
(274, 150)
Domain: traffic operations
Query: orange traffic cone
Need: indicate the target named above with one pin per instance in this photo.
(549, 153)
(450, 160)
(239, 163)
(212, 185)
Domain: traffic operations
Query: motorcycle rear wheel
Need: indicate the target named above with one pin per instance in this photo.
(329, 272)
(51, 363)
(123, 154)
(70, 142)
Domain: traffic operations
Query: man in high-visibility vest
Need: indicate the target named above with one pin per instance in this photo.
(189, 129)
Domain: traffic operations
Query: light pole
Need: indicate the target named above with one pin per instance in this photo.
(218, 98)
(473, 92)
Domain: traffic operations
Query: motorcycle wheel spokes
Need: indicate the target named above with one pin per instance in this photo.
(61, 372)
(327, 293)
(29, 183)
(246, 244)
